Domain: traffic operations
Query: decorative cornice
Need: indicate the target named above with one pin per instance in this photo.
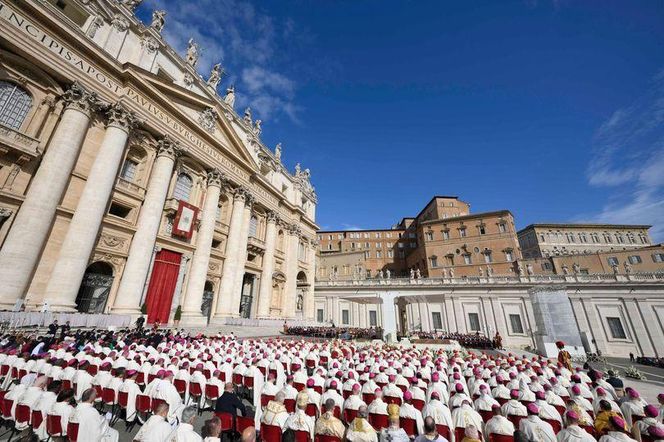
(240, 193)
(76, 97)
(272, 216)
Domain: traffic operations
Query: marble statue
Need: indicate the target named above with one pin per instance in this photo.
(519, 270)
(489, 271)
(388, 274)
(193, 52)
(229, 99)
(277, 152)
(576, 268)
(615, 268)
(628, 267)
(451, 273)
(258, 130)
(247, 117)
(565, 269)
(298, 169)
(380, 274)
(132, 4)
(418, 274)
(529, 269)
(481, 271)
(300, 301)
(216, 75)
(412, 274)
(158, 20)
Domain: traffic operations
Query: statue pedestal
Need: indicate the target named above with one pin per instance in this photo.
(555, 321)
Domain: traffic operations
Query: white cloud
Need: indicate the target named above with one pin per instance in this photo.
(629, 157)
(245, 40)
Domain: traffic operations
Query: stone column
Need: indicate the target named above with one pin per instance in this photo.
(30, 229)
(389, 316)
(238, 284)
(265, 291)
(290, 290)
(80, 240)
(224, 307)
(191, 310)
(140, 251)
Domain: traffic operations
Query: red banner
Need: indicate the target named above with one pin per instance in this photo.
(185, 220)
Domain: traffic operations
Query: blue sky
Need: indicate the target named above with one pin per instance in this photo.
(551, 109)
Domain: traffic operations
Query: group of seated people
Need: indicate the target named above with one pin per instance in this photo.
(303, 390)
(334, 332)
(469, 340)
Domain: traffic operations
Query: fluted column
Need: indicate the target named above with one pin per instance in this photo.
(224, 307)
(140, 251)
(265, 291)
(290, 291)
(309, 307)
(30, 229)
(77, 246)
(191, 310)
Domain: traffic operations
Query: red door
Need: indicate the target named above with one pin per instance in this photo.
(162, 285)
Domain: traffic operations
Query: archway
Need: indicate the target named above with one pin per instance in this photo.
(95, 287)
(208, 296)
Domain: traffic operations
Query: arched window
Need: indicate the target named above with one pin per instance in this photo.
(15, 104)
(183, 187)
(253, 227)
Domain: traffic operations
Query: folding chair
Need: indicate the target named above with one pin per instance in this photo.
(72, 431)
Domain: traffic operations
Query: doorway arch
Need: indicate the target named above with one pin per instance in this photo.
(95, 288)
(208, 296)
(302, 286)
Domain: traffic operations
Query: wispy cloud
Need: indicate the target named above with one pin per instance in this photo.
(246, 40)
(346, 226)
(629, 157)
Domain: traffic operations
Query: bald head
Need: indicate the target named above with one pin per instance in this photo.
(228, 387)
(249, 435)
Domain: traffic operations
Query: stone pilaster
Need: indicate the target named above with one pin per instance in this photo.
(79, 242)
(265, 291)
(140, 250)
(191, 310)
(224, 304)
(31, 227)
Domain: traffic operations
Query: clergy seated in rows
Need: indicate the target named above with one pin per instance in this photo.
(229, 402)
(156, 428)
(185, 431)
(471, 434)
(535, 428)
(300, 420)
(498, 424)
(360, 430)
(430, 432)
(616, 431)
(275, 413)
(573, 431)
(92, 425)
(648, 428)
(394, 432)
(327, 424)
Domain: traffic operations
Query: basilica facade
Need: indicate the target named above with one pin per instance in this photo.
(129, 184)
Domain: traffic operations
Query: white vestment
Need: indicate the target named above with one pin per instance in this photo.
(537, 430)
(155, 429)
(92, 426)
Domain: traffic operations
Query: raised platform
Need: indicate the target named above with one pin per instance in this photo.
(37, 319)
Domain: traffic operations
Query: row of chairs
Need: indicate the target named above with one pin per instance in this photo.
(25, 417)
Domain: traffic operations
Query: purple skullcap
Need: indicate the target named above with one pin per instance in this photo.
(532, 408)
(514, 394)
(660, 397)
(458, 387)
(495, 406)
(407, 396)
(435, 395)
(617, 421)
(131, 373)
(576, 389)
(650, 411)
(310, 383)
(333, 385)
(540, 395)
(356, 387)
(572, 415)
(656, 432)
(161, 373)
(483, 387)
(392, 378)
(634, 394)
(457, 376)
(435, 377)
(601, 391)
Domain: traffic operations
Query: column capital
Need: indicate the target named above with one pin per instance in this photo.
(294, 229)
(119, 116)
(215, 177)
(168, 147)
(77, 97)
(272, 216)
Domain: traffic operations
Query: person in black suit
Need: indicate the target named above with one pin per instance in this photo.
(229, 402)
(53, 328)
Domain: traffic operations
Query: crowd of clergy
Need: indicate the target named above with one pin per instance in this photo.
(307, 390)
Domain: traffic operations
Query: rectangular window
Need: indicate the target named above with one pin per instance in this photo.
(429, 236)
(378, 254)
(488, 258)
(546, 266)
(378, 245)
(474, 321)
(449, 259)
(462, 233)
(437, 320)
(128, 172)
(373, 320)
(390, 254)
(635, 259)
(482, 230)
(467, 259)
(446, 234)
(616, 328)
(434, 261)
(119, 210)
(517, 325)
(345, 317)
(367, 255)
(612, 260)
(658, 257)
(319, 315)
(413, 245)
(508, 256)
(502, 228)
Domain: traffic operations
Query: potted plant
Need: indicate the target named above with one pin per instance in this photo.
(144, 308)
(178, 315)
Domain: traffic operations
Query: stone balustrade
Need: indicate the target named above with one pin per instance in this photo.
(499, 280)
(18, 141)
